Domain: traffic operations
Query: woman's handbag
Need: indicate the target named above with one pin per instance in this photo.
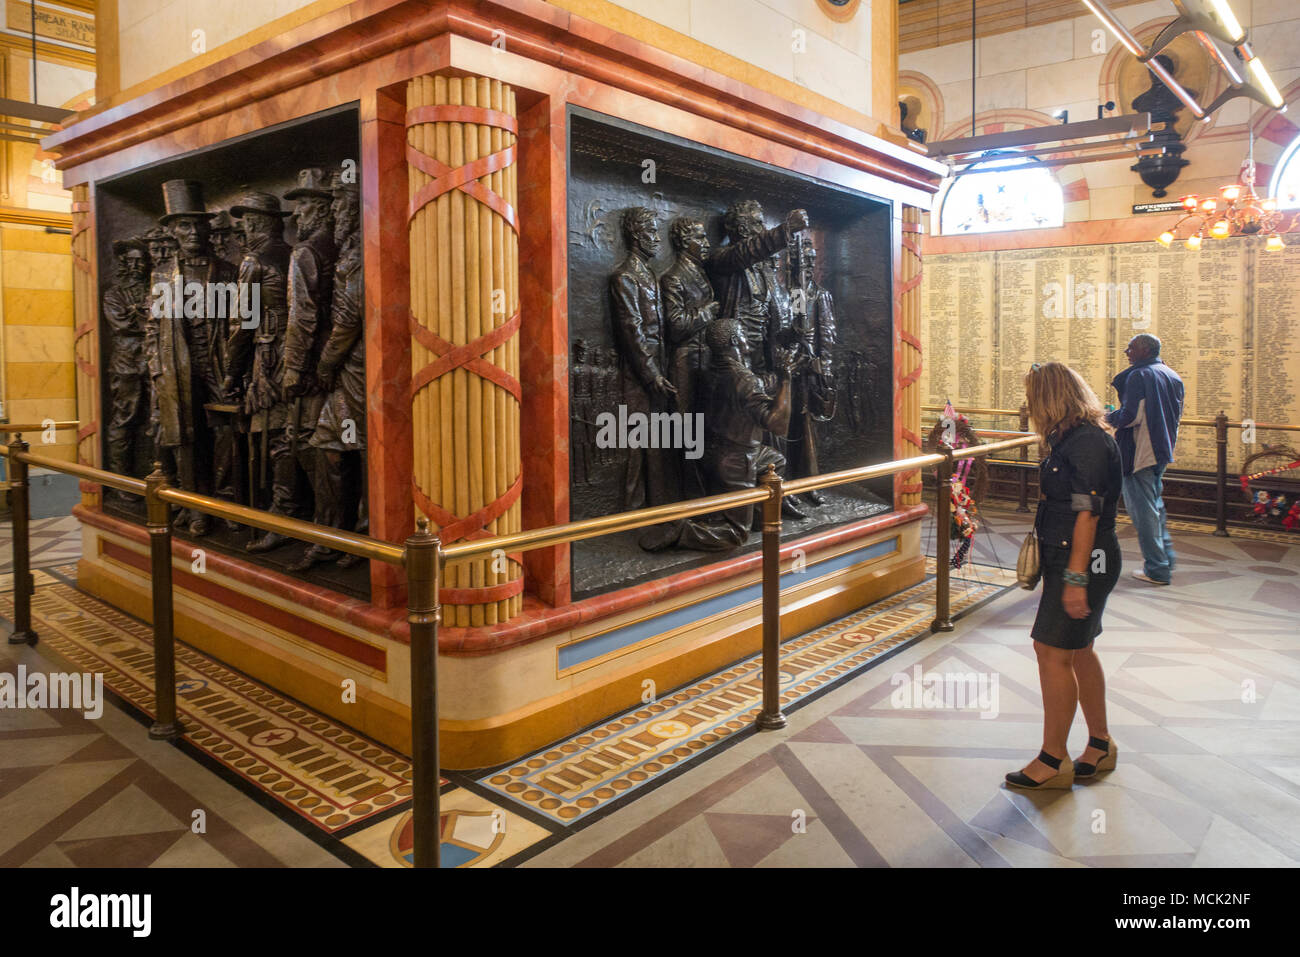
(1029, 566)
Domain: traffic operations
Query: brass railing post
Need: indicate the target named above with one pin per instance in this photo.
(423, 560)
(771, 718)
(1024, 457)
(942, 540)
(1221, 489)
(159, 520)
(20, 512)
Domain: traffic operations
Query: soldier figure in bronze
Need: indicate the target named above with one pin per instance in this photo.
(689, 307)
(126, 314)
(639, 333)
(747, 289)
(745, 281)
(741, 406)
(654, 473)
(341, 427)
(606, 393)
(311, 278)
(189, 369)
(227, 241)
(256, 350)
(815, 338)
(582, 414)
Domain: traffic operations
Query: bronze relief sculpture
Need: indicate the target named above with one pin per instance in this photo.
(341, 371)
(246, 354)
(814, 336)
(742, 406)
(689, 307)
(311, 280)
(126, 314)
(717, 347)
(639, 334)
(186, 346)
(256, 349)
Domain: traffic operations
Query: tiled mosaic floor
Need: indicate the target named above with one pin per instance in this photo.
(1203, 696)
(52, 541)
(605, 765)
(355, 792)
(1206, 777)
(311, 765)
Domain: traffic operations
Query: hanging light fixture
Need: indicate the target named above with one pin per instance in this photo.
(1237, 211)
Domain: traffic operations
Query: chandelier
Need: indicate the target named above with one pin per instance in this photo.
(1237, 211)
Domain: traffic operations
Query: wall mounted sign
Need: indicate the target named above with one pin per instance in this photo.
(51, 23)
(1166, 207)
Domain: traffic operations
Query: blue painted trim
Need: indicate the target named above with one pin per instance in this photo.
(599, 645)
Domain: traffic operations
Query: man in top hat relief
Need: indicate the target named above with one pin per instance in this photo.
(189, 360)
(257, 353)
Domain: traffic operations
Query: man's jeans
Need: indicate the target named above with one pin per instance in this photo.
(1142, 499)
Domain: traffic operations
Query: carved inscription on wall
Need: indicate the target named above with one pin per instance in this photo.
(1225, 315)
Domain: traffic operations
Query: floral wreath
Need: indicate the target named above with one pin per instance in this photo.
(1266, 505)
(965, 516)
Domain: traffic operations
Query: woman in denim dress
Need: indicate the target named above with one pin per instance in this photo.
(1079, 486)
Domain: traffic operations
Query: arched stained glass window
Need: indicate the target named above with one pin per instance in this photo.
(1286, 181)
(994, 200)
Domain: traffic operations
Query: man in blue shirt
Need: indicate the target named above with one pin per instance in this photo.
(1146, 429)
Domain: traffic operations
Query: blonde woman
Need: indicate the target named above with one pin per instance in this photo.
(1079, 486)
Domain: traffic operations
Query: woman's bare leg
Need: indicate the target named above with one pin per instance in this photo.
(1060, 699)
(1092, 698)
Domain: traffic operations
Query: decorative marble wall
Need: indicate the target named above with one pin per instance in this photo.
(40, 377)
(792, 39)
(156, 35)
(753, 41)
(36, 300)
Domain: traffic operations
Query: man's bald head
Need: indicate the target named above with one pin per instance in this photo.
(1143, 346)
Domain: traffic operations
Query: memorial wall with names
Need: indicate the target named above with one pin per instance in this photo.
(1227, 316)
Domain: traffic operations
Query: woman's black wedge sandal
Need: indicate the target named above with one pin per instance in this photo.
(1107, 762)
(1064, 777)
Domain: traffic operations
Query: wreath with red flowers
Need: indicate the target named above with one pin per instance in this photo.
(969, 480)
(1265, 505)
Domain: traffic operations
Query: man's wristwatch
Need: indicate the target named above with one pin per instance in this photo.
(1075, 578)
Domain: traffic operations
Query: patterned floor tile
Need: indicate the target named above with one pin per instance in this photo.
(1202, 703)
(310, 764)
(475, 833)
(591, 771)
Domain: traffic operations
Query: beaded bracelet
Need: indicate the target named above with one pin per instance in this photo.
(1075, 578)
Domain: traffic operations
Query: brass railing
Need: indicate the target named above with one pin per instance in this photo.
(424, 557)
(1219, 423)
